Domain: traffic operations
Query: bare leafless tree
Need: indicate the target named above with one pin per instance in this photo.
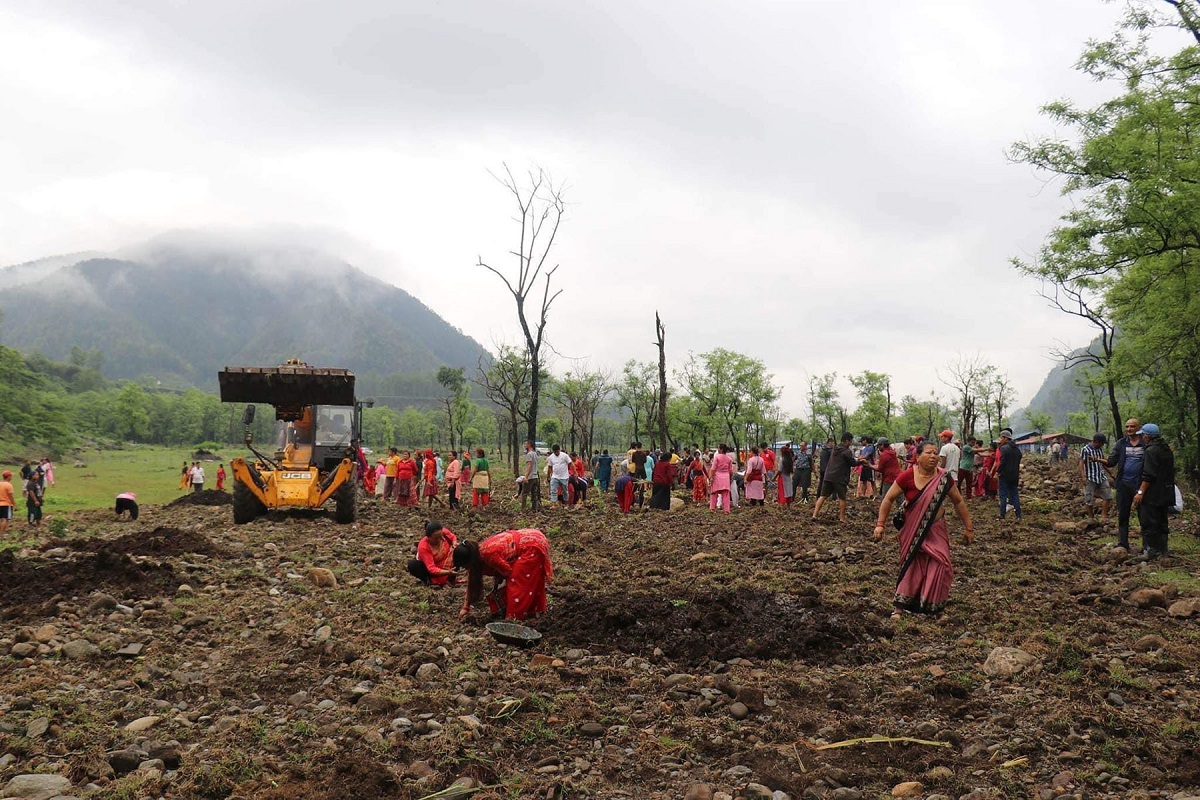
(968, 378)
(540, 211)
(661, 331)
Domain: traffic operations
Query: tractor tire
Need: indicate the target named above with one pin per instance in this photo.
(246, 507)
(345, 499)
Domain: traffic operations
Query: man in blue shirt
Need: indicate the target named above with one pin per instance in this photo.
(1127, 456)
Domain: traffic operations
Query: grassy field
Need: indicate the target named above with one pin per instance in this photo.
(150, 472)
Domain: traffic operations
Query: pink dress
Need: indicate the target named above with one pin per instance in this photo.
(722, 476)
(755, 466)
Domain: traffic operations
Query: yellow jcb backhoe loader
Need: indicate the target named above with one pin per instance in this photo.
(317, 440)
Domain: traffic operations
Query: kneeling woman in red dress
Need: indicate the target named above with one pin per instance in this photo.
(520, 560)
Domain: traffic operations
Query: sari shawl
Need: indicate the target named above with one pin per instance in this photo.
(522, 558)
(926, 571)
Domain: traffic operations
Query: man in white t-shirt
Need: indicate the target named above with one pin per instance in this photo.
(198, 479)
(949, 455)
(527, 482)
(556, 465)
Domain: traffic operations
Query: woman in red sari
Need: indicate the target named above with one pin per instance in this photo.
(517, 560)
(430, 492)
(926, 571)
(406, 476)
(699, 480)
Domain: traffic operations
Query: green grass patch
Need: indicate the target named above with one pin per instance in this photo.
(150, 472)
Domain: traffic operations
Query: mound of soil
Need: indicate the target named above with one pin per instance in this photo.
(741, 623)
(158, 542)
(27, 585)
(207, 497)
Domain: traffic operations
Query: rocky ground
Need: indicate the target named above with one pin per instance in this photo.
(684, 655)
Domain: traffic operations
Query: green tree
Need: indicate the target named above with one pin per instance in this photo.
(131, 413)
(873, 417)
(506, 383)
(636, 392)
(734, 388)
(829, 416)
(458, 391)
(1126, 252)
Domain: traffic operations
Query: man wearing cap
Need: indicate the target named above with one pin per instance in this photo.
(1127, 456)
(1093, 468)
(1008, 471)
(7, 501)
(836, 481)
(1156, 495)
(949, 454)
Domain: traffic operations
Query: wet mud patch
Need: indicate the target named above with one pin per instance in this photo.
(740, 623)
(158, 542)
(207, 497)
(28, 585)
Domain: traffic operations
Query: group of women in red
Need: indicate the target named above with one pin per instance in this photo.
(518, 561)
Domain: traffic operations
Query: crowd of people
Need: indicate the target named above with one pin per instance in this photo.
(31, 487)
(192, 477)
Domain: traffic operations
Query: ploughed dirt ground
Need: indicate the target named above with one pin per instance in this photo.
(684, 654)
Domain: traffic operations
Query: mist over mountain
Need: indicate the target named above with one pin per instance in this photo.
(182, 306)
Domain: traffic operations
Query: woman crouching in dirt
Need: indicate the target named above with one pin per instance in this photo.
(127, 503)
(434, 564)
(519, 561)
(925, 567)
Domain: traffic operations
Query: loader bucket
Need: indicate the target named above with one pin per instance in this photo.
(287, 386)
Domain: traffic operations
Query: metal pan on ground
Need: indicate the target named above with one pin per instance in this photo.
(511, 633)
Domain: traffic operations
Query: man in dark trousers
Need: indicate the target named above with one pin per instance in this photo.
(1126, 456)
(1008, 471)
(1156, 495)
(836, 481)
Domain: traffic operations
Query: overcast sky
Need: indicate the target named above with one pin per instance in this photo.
(821, 185)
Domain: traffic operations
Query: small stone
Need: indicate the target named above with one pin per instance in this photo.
(677, 679)
(298, 699)
(908, 789)
(45, 633)
(1148, 598)
(936, 671)
(36, 787)
(940, 774)
(756, 791)
(541, 661)
(927, 729)
(1181, 609)
(185, 589)
(131, 650)
(592, 729)
(428, 671)
(703, 557)
(1062, 780)
(124, 761)
(739, 711)
(323, 634)
(23, 650)
(1149, 642)
(1116, 699)
(37, 727)
(1004, 662)
(79, 649)
(698, 791)
(143, 724)
(846, 793)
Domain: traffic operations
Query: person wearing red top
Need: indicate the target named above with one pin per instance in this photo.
(768, 457)
(434, 564)
(406, 473)
(926, 570)
(518, 561)
(221, 478)
(430, 492)
(886, 464)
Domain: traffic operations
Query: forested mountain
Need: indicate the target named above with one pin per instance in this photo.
(179, 309)
(1063, 391)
